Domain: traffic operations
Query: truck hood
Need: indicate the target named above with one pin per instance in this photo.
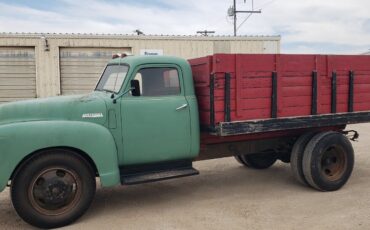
(90, 107)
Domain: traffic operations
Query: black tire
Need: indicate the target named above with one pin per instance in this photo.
(237, 158)
(53, 189)
(296, 157)
(328, 161)
(284, 157)
(257, 161)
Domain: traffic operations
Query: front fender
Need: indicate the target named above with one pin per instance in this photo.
(18, 140)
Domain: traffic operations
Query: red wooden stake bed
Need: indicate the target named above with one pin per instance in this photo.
(258, 93)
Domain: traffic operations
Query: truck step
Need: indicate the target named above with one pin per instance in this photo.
(151, 173)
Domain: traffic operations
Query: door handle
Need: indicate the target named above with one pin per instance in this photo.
(182, 107)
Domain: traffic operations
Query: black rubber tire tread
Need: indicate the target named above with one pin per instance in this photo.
(43, 160)
(258, 161)
(312, 175)
(239, 160)
(296, 157)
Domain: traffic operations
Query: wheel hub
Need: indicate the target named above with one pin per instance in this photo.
(54, 191)
(57, 191)
(333, 163)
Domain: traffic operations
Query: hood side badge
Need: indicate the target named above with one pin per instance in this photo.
(92, 115)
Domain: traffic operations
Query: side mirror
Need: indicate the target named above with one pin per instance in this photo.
(135, 91)
(135, 86)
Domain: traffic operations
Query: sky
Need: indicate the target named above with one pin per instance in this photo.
(314, 26)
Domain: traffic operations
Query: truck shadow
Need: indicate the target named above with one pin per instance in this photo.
(212, 183)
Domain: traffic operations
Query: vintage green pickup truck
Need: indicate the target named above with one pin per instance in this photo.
(142, 124)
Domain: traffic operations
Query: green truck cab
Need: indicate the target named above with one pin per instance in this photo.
(142, 124)
(118, 126)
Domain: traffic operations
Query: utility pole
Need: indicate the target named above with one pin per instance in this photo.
(233, 12)
(205, 32)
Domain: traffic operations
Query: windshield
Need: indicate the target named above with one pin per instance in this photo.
(112, 78)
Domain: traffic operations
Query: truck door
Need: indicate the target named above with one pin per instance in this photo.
(156, 124)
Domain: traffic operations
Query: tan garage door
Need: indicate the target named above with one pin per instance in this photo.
(17, 73)
(80, 68)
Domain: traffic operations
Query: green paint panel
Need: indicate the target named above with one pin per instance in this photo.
(153, 131)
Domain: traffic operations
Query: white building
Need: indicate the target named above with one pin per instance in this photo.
(41, 65)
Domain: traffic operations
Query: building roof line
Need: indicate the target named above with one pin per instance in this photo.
(144, 37)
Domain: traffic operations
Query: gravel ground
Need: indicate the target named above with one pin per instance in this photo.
(228, 196)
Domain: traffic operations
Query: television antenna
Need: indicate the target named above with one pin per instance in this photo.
(205, 32)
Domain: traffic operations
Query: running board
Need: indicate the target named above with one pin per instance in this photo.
(156, 172)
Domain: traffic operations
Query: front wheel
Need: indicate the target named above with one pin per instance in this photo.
(53, 189)
(257, 161)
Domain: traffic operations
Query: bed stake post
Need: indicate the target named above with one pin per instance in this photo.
(334, 92)
(212, 102)
(274, 95)
(227, 98)
(350, 90)
(314, 93)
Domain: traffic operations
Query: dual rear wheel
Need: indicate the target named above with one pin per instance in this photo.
(321, 160)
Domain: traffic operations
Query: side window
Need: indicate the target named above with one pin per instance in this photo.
(158, 81)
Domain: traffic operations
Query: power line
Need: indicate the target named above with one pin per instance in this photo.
(264, 4)
(244, 21)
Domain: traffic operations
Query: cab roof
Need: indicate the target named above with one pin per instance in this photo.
(140, 60)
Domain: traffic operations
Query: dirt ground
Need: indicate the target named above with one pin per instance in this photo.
(228, 196)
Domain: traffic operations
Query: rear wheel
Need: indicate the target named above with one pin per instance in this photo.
(328, 161)
(296, 156)
(53, 189)
(257, 161)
